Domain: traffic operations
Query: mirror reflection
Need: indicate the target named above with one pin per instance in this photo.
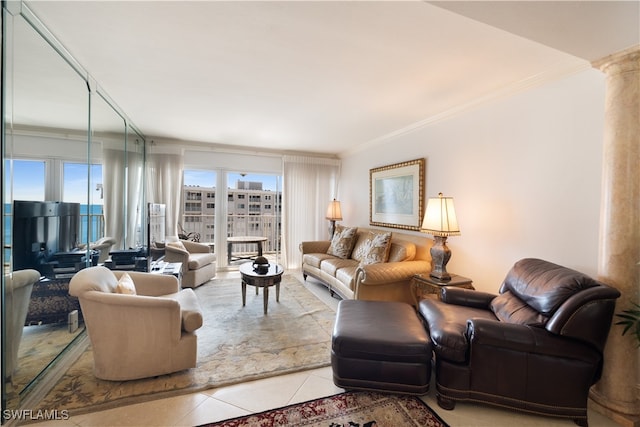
(73, 187)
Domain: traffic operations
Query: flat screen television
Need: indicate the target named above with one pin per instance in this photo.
(41, 230)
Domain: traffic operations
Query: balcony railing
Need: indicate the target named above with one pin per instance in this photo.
(238, 225)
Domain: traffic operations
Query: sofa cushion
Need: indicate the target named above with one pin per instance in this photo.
(125, 285)
(511, 309)
(314, 259)
(198, 260)
(347, 276)
(342, 242)
(544, 286)
(361, 246)
(401, 250)
(332, 265)
(377, 249)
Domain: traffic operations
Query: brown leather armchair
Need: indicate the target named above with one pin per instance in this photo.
(537, 346)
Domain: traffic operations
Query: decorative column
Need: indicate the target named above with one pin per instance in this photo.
(617, 394)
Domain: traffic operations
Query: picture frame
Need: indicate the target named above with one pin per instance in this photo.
(396, 195)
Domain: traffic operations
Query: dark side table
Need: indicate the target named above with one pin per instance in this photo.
(426, 286)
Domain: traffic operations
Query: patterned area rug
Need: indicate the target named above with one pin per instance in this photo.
(235, 344)
(352, 409)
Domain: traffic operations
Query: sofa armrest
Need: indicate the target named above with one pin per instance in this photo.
(315, 247)
(390, 272)
(173, 254)
(466, 297)
(196, 247)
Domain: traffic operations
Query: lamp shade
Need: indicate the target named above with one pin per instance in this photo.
(440, 217)
(334, 213)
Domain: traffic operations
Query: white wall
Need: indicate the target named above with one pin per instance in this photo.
(524, 171)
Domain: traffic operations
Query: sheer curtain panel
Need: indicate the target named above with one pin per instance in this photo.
(309, 184)
(164, 185)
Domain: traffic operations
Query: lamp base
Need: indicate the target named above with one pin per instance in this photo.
(332, 229)
(440, 255)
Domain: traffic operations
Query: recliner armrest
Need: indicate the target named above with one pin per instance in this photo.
(525, 339)
(466, 297)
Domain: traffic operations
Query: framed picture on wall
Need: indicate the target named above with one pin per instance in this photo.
(396, 194)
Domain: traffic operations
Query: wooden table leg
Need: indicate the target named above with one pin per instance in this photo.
(278, 292)
(266, 298)
(259, 248)
(244, 293)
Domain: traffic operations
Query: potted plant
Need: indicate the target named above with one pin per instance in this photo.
(631, 321)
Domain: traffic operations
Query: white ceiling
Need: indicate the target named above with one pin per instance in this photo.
(324, 76)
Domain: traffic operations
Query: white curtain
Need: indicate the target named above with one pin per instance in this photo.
(309, 184)
(114, 179)
(122, 184)
(164, 185)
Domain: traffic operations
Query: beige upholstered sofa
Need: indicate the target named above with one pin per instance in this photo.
(356, 276)
(137, 335)
(198, 263)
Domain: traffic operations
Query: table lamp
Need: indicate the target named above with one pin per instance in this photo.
(440, 221)
(334, 213)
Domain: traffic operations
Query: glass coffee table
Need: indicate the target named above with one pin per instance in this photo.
(272, 277)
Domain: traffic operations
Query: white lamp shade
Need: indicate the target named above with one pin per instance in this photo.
(334, 213)
(440, 217)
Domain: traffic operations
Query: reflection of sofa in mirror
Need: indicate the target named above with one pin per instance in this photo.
(198, 263)
(140, 335)
(18, 286)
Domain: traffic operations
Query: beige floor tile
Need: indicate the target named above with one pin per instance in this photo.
(325, 372)
(315, 387)
(211, 410)
(261, 395)
(161, 412)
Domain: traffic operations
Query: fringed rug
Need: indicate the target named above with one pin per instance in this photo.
(235, 344)
(351, 409)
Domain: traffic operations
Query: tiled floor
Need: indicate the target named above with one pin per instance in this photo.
(237, 400)
(218, 404)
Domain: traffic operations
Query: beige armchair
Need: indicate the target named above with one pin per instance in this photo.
(152, 332)
(18, 286)
(198, 263)
(103, 245)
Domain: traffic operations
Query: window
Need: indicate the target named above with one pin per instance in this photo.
(28, 179)
(74, 189)
(199, 203)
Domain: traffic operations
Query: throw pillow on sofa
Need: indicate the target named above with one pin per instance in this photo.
(125, 285)
(377, 249)
(342, 242)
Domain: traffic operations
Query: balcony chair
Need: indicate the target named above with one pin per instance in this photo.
(18, 287)
(138, 328)
(198, 263)
(536, 347)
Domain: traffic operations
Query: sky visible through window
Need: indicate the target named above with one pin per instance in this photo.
(205, 178)
(29, 180)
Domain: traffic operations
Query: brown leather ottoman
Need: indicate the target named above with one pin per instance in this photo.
(380, 345)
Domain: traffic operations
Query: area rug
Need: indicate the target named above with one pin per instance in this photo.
(362, 409)
(235, 344)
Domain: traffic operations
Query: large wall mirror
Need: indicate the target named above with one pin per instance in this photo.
(73, 191)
